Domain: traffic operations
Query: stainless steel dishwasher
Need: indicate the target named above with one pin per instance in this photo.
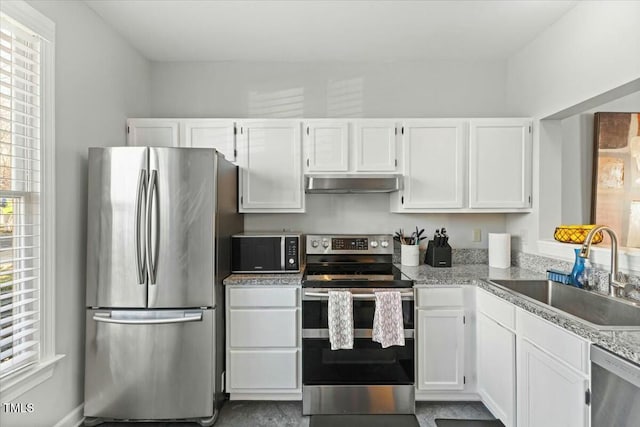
(615, 395)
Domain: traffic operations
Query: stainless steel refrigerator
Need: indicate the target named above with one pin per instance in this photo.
(159, 231)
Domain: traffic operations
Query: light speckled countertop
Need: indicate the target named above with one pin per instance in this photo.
(625, 344)
(266, 279)
(463, 274)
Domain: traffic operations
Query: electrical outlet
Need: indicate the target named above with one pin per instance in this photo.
(477, 235)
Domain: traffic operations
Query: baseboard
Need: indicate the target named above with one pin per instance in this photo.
(425, 396)
(265, 396)
(73, 418)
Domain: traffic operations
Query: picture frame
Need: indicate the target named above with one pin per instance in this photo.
(615, 197)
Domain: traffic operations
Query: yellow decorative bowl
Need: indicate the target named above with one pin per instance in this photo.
(576, 234)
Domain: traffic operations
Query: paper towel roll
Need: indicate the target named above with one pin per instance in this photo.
(500, 250)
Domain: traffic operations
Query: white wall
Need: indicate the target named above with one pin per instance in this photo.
(590, 50)
(587, 55)
(394, 89)
(100, 80)
(369, 213)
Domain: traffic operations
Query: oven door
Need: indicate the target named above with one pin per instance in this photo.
(366, 364)
(315, 304)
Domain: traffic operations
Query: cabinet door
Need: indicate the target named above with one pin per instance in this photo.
(375, 146)
(549, 392)
(263, 328)
(153, 132)
(208, 133)
(500, 163)
(433, 159)
(496, 347)
(275, 370)
(440, 349)
(269, 154)
(327, 146)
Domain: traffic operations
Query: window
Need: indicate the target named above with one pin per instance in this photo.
(26, 191)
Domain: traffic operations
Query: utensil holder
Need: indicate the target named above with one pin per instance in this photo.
(410, 255)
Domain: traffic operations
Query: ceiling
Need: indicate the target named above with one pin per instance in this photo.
(324, 30)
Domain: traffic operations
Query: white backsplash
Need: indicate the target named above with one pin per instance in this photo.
(369, 214)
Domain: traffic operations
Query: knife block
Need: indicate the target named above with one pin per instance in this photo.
(438, 256)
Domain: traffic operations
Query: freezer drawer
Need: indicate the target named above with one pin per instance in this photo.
(149, 364)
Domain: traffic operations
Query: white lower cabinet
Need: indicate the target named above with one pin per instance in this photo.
(443, 343)
(441, 349)
(531, 373)
(550, 393)
(553, 374)
(263, 342)
(496, 352)
(263, 370)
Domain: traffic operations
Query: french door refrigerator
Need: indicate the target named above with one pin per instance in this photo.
(159, 231)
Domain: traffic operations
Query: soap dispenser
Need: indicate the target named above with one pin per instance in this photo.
(579, 273)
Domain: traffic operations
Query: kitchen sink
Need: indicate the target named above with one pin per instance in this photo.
(600, 311)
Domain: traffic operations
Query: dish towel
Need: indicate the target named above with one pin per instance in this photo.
(388, 328)
(340, 320)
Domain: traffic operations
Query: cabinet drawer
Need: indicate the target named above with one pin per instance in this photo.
(497, 309)
(263, 328)
(263, 297)
(440, 297)
(568, 347)
(263, 369)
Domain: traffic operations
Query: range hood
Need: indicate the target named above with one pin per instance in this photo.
(352, 183)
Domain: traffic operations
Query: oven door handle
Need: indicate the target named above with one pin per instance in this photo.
(406, 295)
(357, 333)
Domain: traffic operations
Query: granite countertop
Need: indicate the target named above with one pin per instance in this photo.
(266, 279)
(463, 274)
(623, 343)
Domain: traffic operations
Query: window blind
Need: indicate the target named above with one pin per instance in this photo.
(19, 195)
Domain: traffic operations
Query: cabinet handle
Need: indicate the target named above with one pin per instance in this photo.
(307, 162)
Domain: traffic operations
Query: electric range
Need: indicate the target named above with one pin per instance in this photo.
(367, 379)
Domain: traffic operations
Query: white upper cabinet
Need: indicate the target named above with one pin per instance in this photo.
(153, 132)
(327, 146)
(197, 133)
(270, 158)
(500, 163)
(433, 156)
(375, 145)
(210, 133)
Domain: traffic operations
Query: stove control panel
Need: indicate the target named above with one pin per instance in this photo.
(350, 244)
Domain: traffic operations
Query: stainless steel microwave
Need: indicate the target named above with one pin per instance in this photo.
(265, 252)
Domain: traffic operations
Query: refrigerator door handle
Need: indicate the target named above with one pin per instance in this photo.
(188, 317)
(152, 267)
(140, 251)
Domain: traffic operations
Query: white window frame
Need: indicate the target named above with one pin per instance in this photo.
(25, 379)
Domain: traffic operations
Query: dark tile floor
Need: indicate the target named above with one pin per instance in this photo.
(289, 414)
